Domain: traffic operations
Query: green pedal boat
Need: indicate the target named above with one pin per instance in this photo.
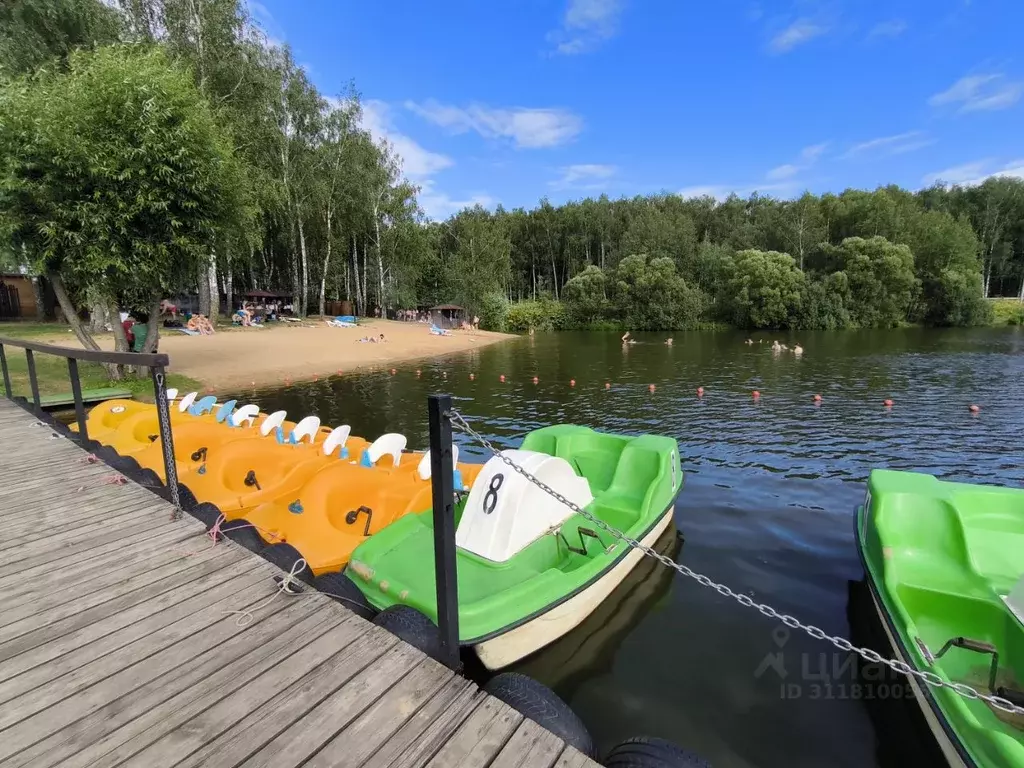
(945, 564)
(529, 569)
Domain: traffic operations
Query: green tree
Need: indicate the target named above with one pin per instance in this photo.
(765, 290)
(586, 297)
(115, 178)
(651, 296)
(880, 276)
(35, 32)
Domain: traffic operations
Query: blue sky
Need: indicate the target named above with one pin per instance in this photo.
(507, 101)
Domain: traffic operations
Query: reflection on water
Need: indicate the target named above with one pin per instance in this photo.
(766, 508)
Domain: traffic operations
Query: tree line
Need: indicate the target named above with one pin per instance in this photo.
(151, 147)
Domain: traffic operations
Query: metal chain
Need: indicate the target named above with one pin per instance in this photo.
(930, 678)
(163, 409)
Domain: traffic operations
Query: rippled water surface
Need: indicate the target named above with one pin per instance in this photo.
(766, 508)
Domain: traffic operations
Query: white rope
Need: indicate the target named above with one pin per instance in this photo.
(247, 616)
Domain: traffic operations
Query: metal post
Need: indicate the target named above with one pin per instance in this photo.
(445, 573)
(7, 374)
(32, 379)
(76, 391)
(166, 438)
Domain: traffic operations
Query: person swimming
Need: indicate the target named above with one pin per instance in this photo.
(797, 349)
(776, 347)
(668, 342)
(749, 341)
(626, 339)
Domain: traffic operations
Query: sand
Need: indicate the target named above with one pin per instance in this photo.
(267, 356)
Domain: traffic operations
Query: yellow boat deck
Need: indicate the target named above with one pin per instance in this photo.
(124, 641)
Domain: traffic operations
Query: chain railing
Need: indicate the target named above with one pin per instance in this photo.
(929, 678)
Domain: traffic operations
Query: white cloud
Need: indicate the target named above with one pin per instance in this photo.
(584, 176)
(799, 32)
(972, 174)
(417, 163)
(899, 144)
(891, 28)
(439, 205)
(527, 128)
(586, 24)
(808, 157)
(722, 191)
(717, 191)
(978, 93)
(787, 171)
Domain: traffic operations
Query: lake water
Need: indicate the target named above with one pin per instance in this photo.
(770, 488)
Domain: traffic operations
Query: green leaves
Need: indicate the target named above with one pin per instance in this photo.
(120, 168)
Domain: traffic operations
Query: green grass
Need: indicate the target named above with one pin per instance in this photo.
(23, 329)
(1007, 311)
(52, 374)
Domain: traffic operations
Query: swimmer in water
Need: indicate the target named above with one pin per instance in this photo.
(668, 342)
(798, 350)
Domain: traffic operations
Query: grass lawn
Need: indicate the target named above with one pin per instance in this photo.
(52, 372)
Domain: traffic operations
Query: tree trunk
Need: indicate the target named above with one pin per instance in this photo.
(987, 275)
(355, 274)
(211, 276)
(305, 270)
(366, 297)
(327, 262)
(97, 314)
(37, 295)
(554, 277)
(83, 336)
(380, 275)
(204, 296)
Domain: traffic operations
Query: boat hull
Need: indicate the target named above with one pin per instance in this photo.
(519, 642)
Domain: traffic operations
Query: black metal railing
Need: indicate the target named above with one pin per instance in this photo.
(156, 362)
(442, 470)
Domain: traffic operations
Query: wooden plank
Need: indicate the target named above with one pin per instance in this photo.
(303, 708)
(41, 593)
(76, 649)
(479, 739)
(44, 578)
(379, 724)
(112, 517)
(530, 747)
(164, 703)
(91, 548)
(187, 737)
(20, 636)
(242, 589)
(307, 734)
(107, 683)
(573, 758)
(95, 395)
(430, 727)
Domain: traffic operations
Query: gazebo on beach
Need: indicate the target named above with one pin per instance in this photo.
(447, 315)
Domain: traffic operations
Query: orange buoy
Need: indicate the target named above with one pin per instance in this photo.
(650, 387)
(756, 394)
(700, 391)
(817, 398)
(502, 378)
(535, 380)
(572, 382)
(607, 385)
(887, 403)
(974, 408)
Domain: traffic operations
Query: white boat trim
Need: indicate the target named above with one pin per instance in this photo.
(949, 749)
(519, 642)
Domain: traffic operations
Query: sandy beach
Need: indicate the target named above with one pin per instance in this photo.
(267, 356)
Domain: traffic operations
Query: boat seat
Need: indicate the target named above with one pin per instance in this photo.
(225, 411)
(186, 401)
(272, 422)
(505, 512)
(245, 413)
(391, 444)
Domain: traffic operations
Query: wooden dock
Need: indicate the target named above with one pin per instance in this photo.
(128, 638)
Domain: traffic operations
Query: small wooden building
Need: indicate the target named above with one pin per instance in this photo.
(448, 315)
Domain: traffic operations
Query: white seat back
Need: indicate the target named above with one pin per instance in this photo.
(186, 401)
(336, 439)
(505, 512)
(272, 422)
(245, 413)
(390, 444)
(172, 393)
(423, 470)
(308, 427)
